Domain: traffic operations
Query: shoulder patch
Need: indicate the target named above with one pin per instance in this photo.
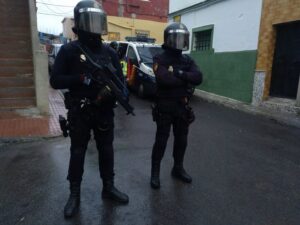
(82, 58)
(155, 67)
(170, 69)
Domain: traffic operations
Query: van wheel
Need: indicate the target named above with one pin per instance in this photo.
(141, 91)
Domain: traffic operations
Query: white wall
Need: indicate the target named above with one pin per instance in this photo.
(176, 5)
(236, 24)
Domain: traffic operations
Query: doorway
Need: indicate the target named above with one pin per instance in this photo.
(286, 62)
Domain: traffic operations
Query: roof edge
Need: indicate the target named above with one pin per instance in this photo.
(194, 7)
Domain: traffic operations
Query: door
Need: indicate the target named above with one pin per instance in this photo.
(286, 63)
(132, 63)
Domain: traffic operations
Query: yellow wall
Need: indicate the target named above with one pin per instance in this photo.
(274, 12)
(128, 26)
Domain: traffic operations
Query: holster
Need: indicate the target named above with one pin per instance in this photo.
(64, 125)
(177, 108)
(69, 102)
(190, 115)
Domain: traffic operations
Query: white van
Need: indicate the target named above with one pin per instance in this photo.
(139, 72)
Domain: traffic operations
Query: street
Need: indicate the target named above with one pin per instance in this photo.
(245, 171)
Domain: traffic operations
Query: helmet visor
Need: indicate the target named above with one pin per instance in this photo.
(92, 20)
(178, 39)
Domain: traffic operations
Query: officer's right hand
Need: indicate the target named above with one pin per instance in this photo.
(86, 79)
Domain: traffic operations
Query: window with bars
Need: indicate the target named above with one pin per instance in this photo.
(202, 38)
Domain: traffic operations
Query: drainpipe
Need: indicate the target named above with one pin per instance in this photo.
(121, 8)
(40, 64)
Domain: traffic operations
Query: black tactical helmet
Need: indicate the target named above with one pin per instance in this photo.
(176, 36)
(90, 17)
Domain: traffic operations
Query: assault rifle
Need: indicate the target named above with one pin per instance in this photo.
(104, 73)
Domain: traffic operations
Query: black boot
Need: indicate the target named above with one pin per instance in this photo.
(111, 192)
(72, 205)
(155, 182)
(179, 173)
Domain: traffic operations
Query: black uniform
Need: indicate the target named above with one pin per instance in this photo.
(84, 114)
(89, 102)
(172, 109)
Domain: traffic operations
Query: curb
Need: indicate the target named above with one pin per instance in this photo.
(18, 140)
(290, 119)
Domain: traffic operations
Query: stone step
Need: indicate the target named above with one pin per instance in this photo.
(15, 23)
(16, 54)
(17, 103)
(14, 40)
(16, 8)
(15, 15)
(9, 71)
(281, 105)
(15, 35)
(14, 4)
(9, 82)
(17, 92)
(18, 46)
(17, 62)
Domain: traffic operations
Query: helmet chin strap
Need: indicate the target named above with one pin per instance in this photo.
(172, 50)
(89, 39)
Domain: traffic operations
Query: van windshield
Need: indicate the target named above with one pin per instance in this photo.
(147, 53)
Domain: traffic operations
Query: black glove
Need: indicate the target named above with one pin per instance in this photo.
(180, 74)
(86, 79)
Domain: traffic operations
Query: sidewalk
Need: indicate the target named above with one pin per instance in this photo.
(28, 124)
(276, 112)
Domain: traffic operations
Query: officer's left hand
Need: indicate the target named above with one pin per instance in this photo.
(180, 74)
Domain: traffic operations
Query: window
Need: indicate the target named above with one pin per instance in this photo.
(202, 38)
(147, 54)
(113, 36)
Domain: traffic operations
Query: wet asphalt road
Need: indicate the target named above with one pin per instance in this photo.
(245, 171)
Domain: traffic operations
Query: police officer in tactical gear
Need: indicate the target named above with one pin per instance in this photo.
(176, 74)
(114, 45)
(90, 104)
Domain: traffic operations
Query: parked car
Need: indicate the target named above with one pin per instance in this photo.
(139, 73)
(53, 51)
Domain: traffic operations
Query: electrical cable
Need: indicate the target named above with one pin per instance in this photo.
(55, 4)
(50, 9)
(52, 14)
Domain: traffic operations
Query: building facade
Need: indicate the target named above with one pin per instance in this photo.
(67, 24)
(145, 18)
(129, 18)
(120, 27)
(248, 50)
(278, 61)
(223, 41)
(153, 10)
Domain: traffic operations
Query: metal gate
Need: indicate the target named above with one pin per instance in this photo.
(286, 63)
